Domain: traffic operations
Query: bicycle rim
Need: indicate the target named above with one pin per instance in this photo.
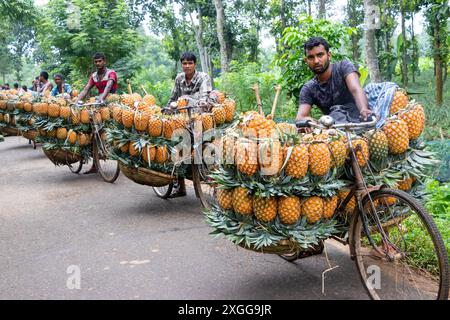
(108, 169)
(411, 262)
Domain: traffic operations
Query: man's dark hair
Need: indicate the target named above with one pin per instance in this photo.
(189, 56)
(99, 55)
(16, 85)
(24, 88)
(315, 42)
(58, 75)
(44, 74)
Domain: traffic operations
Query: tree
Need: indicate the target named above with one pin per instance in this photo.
(220, 35)
(404, 44)
(437, 13)
(369, 42)
(355, 19)
(70, 35)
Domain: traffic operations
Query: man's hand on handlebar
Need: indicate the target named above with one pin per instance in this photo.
(364, 114)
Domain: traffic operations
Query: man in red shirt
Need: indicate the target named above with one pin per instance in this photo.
(104, 79)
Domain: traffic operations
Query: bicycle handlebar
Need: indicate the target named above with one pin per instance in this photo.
(326, 122)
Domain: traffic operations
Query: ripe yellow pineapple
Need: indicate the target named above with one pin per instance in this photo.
(117, 114)
(228, 151)
(53, 110)
(155, 126)
(28, 107)
(64, 112)
(286, 128)
(61, 133)
(84, 116)
(406, 184)
(162, 155)
(399, 102)
(230, 108)
(149, 151)
(207, 121)
(133, 151)
(361, 151)
(397, 134)
(168, 128)
(219, 115)
(124, 148)
(289, 209)
(141, 120)
(105, 113)
(415, 120)
(338, 151)
(51, 133)
(72, 137)
(247, 156)
(242, 201)
(297, 164)
(82, 139)
(312, 208)
(329, 206)
(127, 118)
(149, 100)
(265, 209)
(319, 158)
(225, 198)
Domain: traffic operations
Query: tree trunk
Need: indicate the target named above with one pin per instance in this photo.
(404, 64)
(220, 35)
(198, 30)
(413, 49)
(438, 62)
(369, 43)
(322, 11)
(309, 8)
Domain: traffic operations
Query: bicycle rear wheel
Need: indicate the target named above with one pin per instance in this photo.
(163, 192)
(108, 169)
(411, 262)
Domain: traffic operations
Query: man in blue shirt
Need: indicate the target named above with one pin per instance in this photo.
(60, 84)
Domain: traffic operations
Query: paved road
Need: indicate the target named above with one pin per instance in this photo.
(129, 244)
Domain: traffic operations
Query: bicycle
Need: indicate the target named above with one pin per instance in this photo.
(108, 169)
(378, 233)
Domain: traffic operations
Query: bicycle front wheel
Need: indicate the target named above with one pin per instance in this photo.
(398, 250)
(108, 169)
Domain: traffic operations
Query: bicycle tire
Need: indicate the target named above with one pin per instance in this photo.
(105, 176)
(77, 169)
(205, 197)
(163, 192)
(358, 234)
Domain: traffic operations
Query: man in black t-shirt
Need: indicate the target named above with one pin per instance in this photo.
(335, 88)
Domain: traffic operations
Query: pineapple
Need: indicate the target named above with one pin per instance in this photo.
(112, 97)
(162, 155)
(415, 119)
(397, 134)
(338, 151)
(406, 184)
(297, 164)
(289, 209)
(28, 107)
(247, 156)
(125, 147)
(133, 151)
(117, 114)
(219, 115)
(225, 198)
(51, 133)
(265, 209)
(53, 110)
(319, 158)
(242, 201)
(84, 116)
(61, 133)
(286, 128)
(270, 157)
(82, 139)
(361, 151)
(149, 100)
(378, 146)
(149, 151)
(329, 206)
(312, 208)
(228, 151)
(155, 126)
(399, 102)
(141, 120)
(217, 95)
(64, 112)
(105, 114)
(207, 121)
(351, 205)
(230, 108)
(72, 137)
(168, 128)
(127, 118)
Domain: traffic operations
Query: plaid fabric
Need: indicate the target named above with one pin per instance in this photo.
(198, 88)
(380, 96)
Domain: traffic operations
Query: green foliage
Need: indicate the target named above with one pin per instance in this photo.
(295, 72)
(69, 36)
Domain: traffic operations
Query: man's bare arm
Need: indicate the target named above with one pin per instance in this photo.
(304, 112)
(84, 92)
(108, 87)
(353, 85)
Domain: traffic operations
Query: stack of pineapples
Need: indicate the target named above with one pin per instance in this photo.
(8, 111)
(25, 118)
(142, 135)
(65, 126)
(275, 184)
